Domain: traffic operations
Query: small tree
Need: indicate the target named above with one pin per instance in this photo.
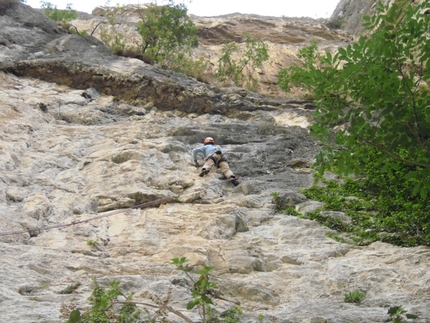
(166, 32)
(240, 70)
(203, 294)
(110, 36)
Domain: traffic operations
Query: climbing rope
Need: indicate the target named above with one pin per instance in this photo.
(156, 202)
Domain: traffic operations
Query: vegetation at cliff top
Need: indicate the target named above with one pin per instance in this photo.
(168, 36)
(63, 16)
(372, 116)
(238, 64)
(166, 31)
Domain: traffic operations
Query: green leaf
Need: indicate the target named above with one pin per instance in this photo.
(423, 193)
(75, 316)
(394, 310)
(193, 303)
(206, 299)
(416, 189)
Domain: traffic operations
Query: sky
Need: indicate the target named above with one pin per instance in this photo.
(275, 8)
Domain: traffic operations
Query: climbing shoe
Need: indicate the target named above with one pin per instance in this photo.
(234, 181)
(204, 172)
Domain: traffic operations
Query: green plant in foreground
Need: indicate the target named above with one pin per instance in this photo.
(110, 305)
(203, 292)
(397, 315)
(378, 90)
(202, 287)
(104, 303)
(354, 297)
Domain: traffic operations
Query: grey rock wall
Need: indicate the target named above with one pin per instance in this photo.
(348, 15)
(77, 155)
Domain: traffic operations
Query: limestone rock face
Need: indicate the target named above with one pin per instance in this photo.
(97, 181)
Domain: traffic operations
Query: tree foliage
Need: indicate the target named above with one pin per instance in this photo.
(375, 92)
(373, 114)
(167, 35)
(166, 31)
(238, 63)
(106, 308)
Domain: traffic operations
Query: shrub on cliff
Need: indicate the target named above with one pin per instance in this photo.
(237, 64)
(110, 36)
(166, 31)
(167, 38)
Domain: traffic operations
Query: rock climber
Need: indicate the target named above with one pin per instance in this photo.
(213, 155)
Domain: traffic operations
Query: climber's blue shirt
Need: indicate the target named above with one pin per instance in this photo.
(206, 151)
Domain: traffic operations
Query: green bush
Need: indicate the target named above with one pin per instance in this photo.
(167, 34)
(109, 34)
(354, 297)
(375, 94)
(166, 31)
(106, 308)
